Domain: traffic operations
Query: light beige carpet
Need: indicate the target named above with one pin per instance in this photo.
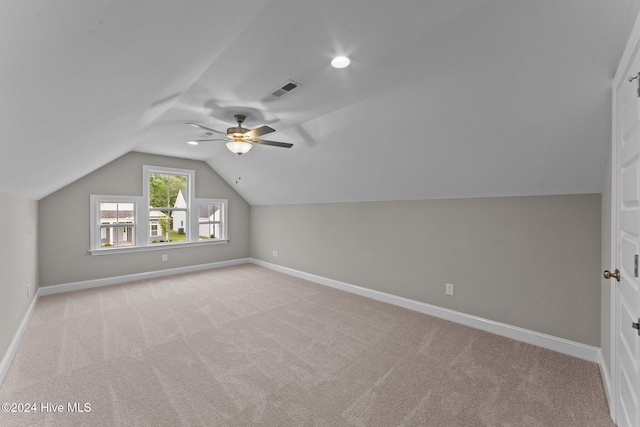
(245, 346)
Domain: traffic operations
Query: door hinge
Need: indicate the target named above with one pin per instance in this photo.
(636, 77)
(635, 265)
(635, 325)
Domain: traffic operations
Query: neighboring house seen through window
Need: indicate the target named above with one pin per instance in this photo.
(117, 224)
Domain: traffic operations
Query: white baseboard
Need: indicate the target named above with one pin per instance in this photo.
(606, 381)
(550, 342)
(561, 345)
(87, 284)
(13, 347)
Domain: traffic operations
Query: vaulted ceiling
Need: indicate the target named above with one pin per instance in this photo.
(442, 99)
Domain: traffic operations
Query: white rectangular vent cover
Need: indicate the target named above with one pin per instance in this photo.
(285, 87)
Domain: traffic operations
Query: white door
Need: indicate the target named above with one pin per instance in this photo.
(627, 216)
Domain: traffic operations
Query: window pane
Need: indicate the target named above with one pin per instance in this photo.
(167, 191)
(209, 231)
(208, 212)
(179, 225)
(116, 236)
(159, 226)
(125, 213)
(105, 237)
(125, 236)
(163, 226)
(112, 213)
(108, 213)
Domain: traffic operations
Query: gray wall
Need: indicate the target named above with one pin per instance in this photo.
(64, 224)
(532, 262)
(606, 285)
(18, 263)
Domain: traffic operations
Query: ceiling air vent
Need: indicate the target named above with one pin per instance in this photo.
(286, 87)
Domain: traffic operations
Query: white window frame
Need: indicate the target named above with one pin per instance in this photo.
(141, 217)
(223, 219)
(191, 182)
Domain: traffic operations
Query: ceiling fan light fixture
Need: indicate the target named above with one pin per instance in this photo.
(340, 62)
(239, 147)
(240, 140)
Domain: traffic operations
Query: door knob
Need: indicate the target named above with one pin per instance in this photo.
(608, 275)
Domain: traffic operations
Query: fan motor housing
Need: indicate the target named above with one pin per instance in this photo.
(236, 131)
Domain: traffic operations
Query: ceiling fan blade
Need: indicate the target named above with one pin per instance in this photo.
(205, 128)
(207, 140)
(274, 143)
(262, 130)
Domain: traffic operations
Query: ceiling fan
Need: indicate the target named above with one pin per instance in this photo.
(239, 139)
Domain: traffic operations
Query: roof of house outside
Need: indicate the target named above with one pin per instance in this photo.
(116, 214)
(203, 210)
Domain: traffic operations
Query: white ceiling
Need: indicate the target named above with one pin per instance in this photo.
(443, 98)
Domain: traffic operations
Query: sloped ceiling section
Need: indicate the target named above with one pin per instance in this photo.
(81, 80)
(442, 99)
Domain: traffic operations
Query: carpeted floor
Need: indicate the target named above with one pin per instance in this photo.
(245, 346)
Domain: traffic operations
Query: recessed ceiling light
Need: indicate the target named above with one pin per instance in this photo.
(340, 62)
(192, 142)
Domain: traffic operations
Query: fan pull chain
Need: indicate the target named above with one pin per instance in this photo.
(238, 177)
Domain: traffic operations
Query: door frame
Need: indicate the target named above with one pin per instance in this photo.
(611, 374)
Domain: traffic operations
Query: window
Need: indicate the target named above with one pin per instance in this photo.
(168, 205)
(114, 221)
(116, 224)
(167, 214)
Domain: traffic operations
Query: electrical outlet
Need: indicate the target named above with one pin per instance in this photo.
(275, 254)
(164, 257)
(448, 289)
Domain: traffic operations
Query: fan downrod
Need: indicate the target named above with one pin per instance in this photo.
(237, 132)
(240, 118)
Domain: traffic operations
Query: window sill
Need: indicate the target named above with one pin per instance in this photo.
(155, 247)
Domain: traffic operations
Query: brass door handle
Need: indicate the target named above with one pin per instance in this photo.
(608, 275)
